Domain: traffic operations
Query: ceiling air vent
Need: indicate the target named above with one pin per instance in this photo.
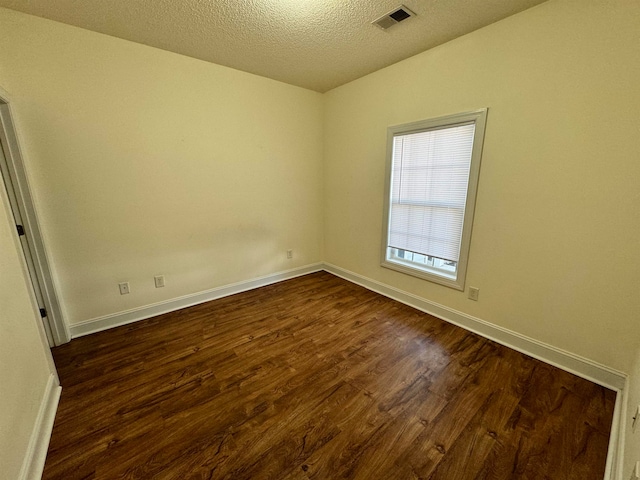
(396, 15)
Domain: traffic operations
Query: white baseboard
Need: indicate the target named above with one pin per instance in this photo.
(33, 463)
(557, 357)
(122, 318)
(568, 361)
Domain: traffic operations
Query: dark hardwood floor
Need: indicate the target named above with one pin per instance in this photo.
(317, 378)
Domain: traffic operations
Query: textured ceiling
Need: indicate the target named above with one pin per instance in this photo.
(316, 44)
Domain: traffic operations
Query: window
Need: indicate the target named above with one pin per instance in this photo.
(432, 177)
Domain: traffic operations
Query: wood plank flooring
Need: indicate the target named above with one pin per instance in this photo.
(317, 378)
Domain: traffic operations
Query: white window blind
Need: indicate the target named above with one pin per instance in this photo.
(430, 177)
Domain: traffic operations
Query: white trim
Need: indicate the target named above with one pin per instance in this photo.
(583, 367)
(622, 434)
(129, 316)
(33, 463)
(615, 454)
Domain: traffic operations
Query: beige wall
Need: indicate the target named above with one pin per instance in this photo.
(555, 249)
(24, 364)
(145, 162)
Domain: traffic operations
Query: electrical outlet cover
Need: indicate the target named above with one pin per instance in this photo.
(474, 293)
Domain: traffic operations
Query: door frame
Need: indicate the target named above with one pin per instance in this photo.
(15, 178)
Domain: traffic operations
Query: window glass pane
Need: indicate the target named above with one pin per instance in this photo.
(430, 176)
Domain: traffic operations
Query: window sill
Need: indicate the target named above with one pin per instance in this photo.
(450, 281)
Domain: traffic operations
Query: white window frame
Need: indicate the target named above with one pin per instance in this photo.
(454, 280)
